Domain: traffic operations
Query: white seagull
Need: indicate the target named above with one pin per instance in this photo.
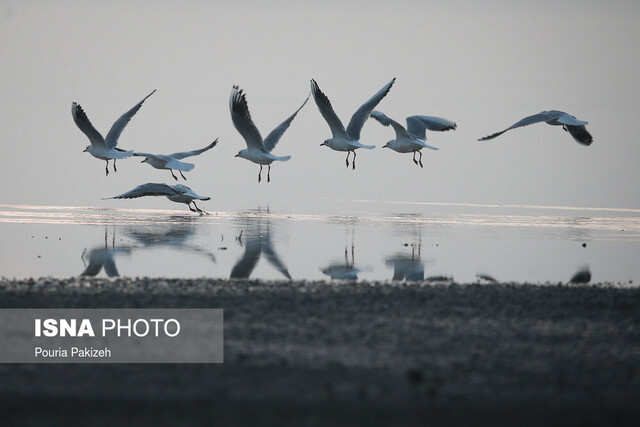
(412, 138)
(347, 140)
(172, 161)
(258, 150)
(105, 148)
(568, 122)
(178, 193)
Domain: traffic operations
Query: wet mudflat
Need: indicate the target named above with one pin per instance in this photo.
(353, 352)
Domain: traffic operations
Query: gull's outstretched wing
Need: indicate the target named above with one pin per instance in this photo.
(536, 118)
(386, 121)
(114, 133)
(83, 123)
(272, 139)
(184, 154)
(580, 134)
(417, 125)
(362, 114)
(179, 166)
(148, 189)
(324, 105)
(242, 119)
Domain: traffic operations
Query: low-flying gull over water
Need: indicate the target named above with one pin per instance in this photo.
(412, 138)
(258, 150)
(172, 161)
(568, 122)
(178, 193)
(105, 148)
(347, 139)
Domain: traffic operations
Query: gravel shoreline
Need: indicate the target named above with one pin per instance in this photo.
(358, 353)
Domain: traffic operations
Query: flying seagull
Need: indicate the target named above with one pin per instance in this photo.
(172, 161)
(178, 193)
(258, 150)
(347, 140)
(105, 148)
(412, 138)
(568, 122)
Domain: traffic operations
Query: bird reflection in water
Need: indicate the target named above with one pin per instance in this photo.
(257, 240)
(103, 257)
(407, 267)
(176, 235)
(582, 276)
(485, 278)
(343, 271)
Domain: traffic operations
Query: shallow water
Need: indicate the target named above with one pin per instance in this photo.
(461, 242)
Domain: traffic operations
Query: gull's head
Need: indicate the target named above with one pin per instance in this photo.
(325, 142)
(242, 153)
(389, 144)
(87, 149)
(144, 160)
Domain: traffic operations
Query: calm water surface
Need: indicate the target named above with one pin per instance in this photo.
(461, 242)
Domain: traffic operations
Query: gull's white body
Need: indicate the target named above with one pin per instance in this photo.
(178, 193)
(407, 145)
(172, 161)
(568, 122)
(411, 139)
(347, 139)
(165, 161)
(105, 148)
(258, 150)
(259, 157)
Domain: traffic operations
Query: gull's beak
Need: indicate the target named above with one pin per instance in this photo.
(384, 146)
(237, 155)
(84, 151)
(322, 144)
(143, 161)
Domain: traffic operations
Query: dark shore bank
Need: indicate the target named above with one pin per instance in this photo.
(299, 353)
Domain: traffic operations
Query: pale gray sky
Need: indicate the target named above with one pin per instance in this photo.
(483, 64)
